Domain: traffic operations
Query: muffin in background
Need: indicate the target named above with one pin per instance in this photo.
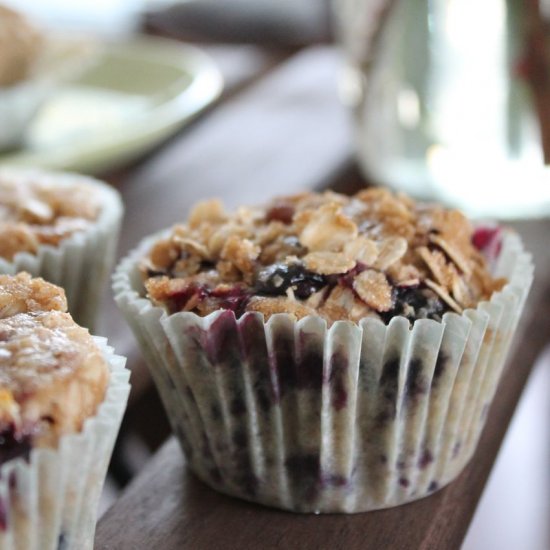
(20, 44)
(62, 397)
(33, 64)
(325, 353)
(62, 227)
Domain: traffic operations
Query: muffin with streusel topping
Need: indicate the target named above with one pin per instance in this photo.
(62, 396)
(324, 352)
(62, 227)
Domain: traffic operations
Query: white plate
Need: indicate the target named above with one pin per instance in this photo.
(138, 94)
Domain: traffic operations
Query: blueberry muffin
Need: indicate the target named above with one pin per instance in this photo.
(61, 227)
(325, 353)
(62, 395)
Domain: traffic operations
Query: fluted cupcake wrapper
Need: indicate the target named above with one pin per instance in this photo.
(81, 263)
(345, 419)
(50, 501)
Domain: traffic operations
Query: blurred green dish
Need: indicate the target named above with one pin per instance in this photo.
(136, 95)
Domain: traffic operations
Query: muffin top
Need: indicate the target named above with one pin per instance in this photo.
(52, 374)
(20, 45)
(343, 258)
(35, 212)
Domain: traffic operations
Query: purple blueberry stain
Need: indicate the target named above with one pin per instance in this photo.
(433, 486)
(309, 371)
(237, 406)
(215, 412)
(415, 383)
(390, 373)
(304, 472)
(263, 398)
(240, 438)
(337, 379)
(426, 458)
(3, 515)
(252, 335)
(254, 346)
(283, 361)
(440, 366)
(333, 480)
(456, 448)
(222, 347)
(12, 481)
(404, 482)
(14, 445)
(389, 381)
(304, 466)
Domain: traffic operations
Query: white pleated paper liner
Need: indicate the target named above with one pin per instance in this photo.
(50, 501)
(349, 419)
(81, 264)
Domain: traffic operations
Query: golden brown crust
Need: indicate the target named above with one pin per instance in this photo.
(341, 257)
(35, 212)
(23, 294)
(52, 374)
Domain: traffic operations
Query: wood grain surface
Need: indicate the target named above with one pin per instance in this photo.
(285, 133)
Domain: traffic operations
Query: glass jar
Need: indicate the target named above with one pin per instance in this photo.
(441, 102)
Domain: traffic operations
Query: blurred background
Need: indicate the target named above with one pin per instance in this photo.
(429, 92)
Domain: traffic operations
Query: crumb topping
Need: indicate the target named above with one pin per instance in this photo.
(52, 374)
(34, 213)
(373, 254)
(20, 44)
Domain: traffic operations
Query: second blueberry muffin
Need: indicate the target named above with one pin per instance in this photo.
(62, 227)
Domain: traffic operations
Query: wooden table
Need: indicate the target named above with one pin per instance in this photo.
(279, 131)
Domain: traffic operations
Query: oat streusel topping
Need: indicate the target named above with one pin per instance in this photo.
(373, 254)
(34, 213)
(52, 374)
